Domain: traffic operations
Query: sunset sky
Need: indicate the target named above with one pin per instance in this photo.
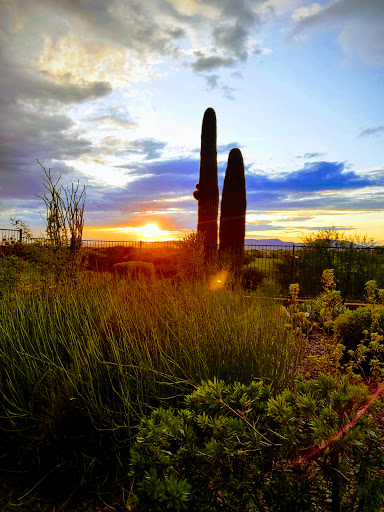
(113, 92)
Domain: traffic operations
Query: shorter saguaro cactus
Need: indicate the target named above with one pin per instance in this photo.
(233, 208)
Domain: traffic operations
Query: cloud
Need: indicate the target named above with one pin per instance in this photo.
(306, 11)
(165, 187)
(311, 155)
(377, 130)
(225, 148)
(319, 185)
(149, 148)
(361, 25)
(316, 176)
(212, 62)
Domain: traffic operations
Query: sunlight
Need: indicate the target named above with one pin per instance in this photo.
(147, 233)
(151, 231)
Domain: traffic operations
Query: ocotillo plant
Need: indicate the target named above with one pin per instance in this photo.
(207, 190)
(233, 208)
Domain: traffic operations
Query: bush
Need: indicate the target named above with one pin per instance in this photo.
(349, 327)
(238, 448)
(135, 269)
(11, 271)
(252, 278)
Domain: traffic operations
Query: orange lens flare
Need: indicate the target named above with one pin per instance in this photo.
(218, 280)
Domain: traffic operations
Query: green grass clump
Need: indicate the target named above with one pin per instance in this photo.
(80, 365)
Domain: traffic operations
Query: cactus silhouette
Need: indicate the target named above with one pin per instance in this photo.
(207, 190)
(233, 208)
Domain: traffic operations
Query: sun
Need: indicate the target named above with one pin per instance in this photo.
(151, 231)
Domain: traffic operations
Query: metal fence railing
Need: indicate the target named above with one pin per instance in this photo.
(304, 264)
(291, 263)
(11, 236)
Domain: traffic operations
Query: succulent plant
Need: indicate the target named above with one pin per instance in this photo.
(207, 190)
(233, 207)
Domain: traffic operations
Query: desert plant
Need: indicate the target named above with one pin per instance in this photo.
(64, 212)
(207, 189)
(233, 208)
(350, 326)
(192, 264)
(367, 358)
(237, 447)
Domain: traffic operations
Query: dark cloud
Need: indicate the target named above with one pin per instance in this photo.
(17, 83)
(177, 33)
(317, 176)
(377, 130)
(23, 177)
(212, 62)
(131, 24)
(233, 38)
(311, 155)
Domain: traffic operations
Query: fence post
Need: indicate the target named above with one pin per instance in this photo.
(20, 235)
(293, 264)
(141, 244)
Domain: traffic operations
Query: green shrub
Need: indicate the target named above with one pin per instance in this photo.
(239, 448)
(11, 271)
(135, 269)
(349, 327)
(252, 278)
(270, 288)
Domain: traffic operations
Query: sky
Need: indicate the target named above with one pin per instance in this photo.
(112, 93)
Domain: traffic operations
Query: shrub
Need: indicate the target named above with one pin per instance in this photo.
(11, 271)
(349, 327)
(135, 269)
(270, 288)
(252, 278)
(236, 447)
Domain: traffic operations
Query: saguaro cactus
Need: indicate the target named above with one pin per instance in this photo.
(207, 190)
(233, 208)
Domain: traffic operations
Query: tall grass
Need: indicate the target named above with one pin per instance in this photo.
(87, 361)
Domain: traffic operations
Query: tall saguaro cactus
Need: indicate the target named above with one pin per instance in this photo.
(207, 190)
(233, 208)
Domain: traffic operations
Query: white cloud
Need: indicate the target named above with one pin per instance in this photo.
(304, 12)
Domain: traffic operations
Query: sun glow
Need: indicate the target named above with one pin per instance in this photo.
(152, 231)
(148, 233)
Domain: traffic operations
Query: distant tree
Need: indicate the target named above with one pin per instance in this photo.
(350, 256)
(333, 237)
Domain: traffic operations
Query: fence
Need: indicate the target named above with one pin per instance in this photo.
(11, 236)
(304, 264)
(286, 264)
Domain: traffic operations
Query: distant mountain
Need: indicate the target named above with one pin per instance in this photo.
(266, 241)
